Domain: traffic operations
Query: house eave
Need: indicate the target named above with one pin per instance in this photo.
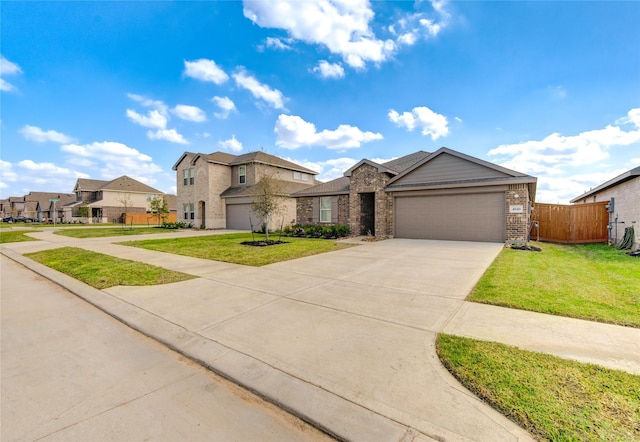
(627, 176)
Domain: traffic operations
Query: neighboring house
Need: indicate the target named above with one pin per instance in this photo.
(108, 200)
(14, 206)
(41, 207)
(441, 195)
(623, 194)
(215, 190)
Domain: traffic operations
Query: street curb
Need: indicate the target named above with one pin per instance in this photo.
(318, 407)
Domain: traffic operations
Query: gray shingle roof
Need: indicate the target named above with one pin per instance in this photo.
(128, 184)
(341, 185)
(287, 187)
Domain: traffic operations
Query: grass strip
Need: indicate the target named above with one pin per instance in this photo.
(592, 281)
(16, 236)
(101, 232)
(227, 248)
(104, 271)
(553, 398)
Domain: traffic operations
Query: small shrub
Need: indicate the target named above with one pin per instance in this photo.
(174, 225)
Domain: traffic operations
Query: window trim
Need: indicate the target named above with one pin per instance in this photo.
(325, 210)
(242, 174)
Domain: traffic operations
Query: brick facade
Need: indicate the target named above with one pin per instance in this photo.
(364, 180)
(517, 225)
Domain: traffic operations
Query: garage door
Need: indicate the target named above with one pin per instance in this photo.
(468, 217)
(238, 216)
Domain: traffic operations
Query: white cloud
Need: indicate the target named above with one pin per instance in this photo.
(282, 44)
(422, 117)
(189, 113)
(168, 135)
(567, 166)
(231, 144)
(158, 117)
(28, 175)
(329, 70)
(340, 25)
(205, 70)
(343, 26)
(34, 133)
(226, 106)
(7, 173)
(8, 68)
(147, 102)
(114, 159)
(293, 132)
(258, 90)
(154, 119)
(329, 169)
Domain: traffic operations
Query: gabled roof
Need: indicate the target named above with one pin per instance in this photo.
(628, 175)
(128, 184)
(87, 185)
(498, 175)
(405, 162)
(43, 198)
(120, 184)
(341, 185)
(228, 159)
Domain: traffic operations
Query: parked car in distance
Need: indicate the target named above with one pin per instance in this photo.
(8, 219)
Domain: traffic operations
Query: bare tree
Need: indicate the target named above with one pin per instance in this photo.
(268, 199)
(125, 200)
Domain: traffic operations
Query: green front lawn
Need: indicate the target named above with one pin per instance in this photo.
(16, 236)
(104, 271)
(100, 232)
(553, 398)
(227, 248)
(592, 281)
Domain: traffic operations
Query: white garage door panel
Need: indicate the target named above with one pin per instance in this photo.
(468, 217)
(238, 216)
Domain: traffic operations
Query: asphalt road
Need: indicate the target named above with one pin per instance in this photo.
(71, 372)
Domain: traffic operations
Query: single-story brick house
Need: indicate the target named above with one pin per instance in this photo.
(441, 195)
(623, 193)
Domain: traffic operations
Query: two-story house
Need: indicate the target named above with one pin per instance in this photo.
(108, 200)
(215, 191)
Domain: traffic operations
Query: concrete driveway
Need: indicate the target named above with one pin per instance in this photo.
(345, 340)
(359, 324)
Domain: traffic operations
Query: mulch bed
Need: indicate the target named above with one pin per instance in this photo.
(263, 243)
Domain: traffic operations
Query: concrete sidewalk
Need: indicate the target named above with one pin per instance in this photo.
(346, 339)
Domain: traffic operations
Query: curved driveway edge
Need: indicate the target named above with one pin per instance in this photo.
(344, 340)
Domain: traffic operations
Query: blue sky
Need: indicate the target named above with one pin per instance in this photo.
(103, 89)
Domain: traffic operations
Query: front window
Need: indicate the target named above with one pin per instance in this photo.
(300, 176)
(325, 209)
(242, 174)
(185, 179)
(191, 177)
(189, 212)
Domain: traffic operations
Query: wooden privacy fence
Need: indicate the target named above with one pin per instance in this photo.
(148, 218)
(571, 224)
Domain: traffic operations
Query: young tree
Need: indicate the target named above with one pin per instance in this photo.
(125, 200)
(159, 207)
(268, 199)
